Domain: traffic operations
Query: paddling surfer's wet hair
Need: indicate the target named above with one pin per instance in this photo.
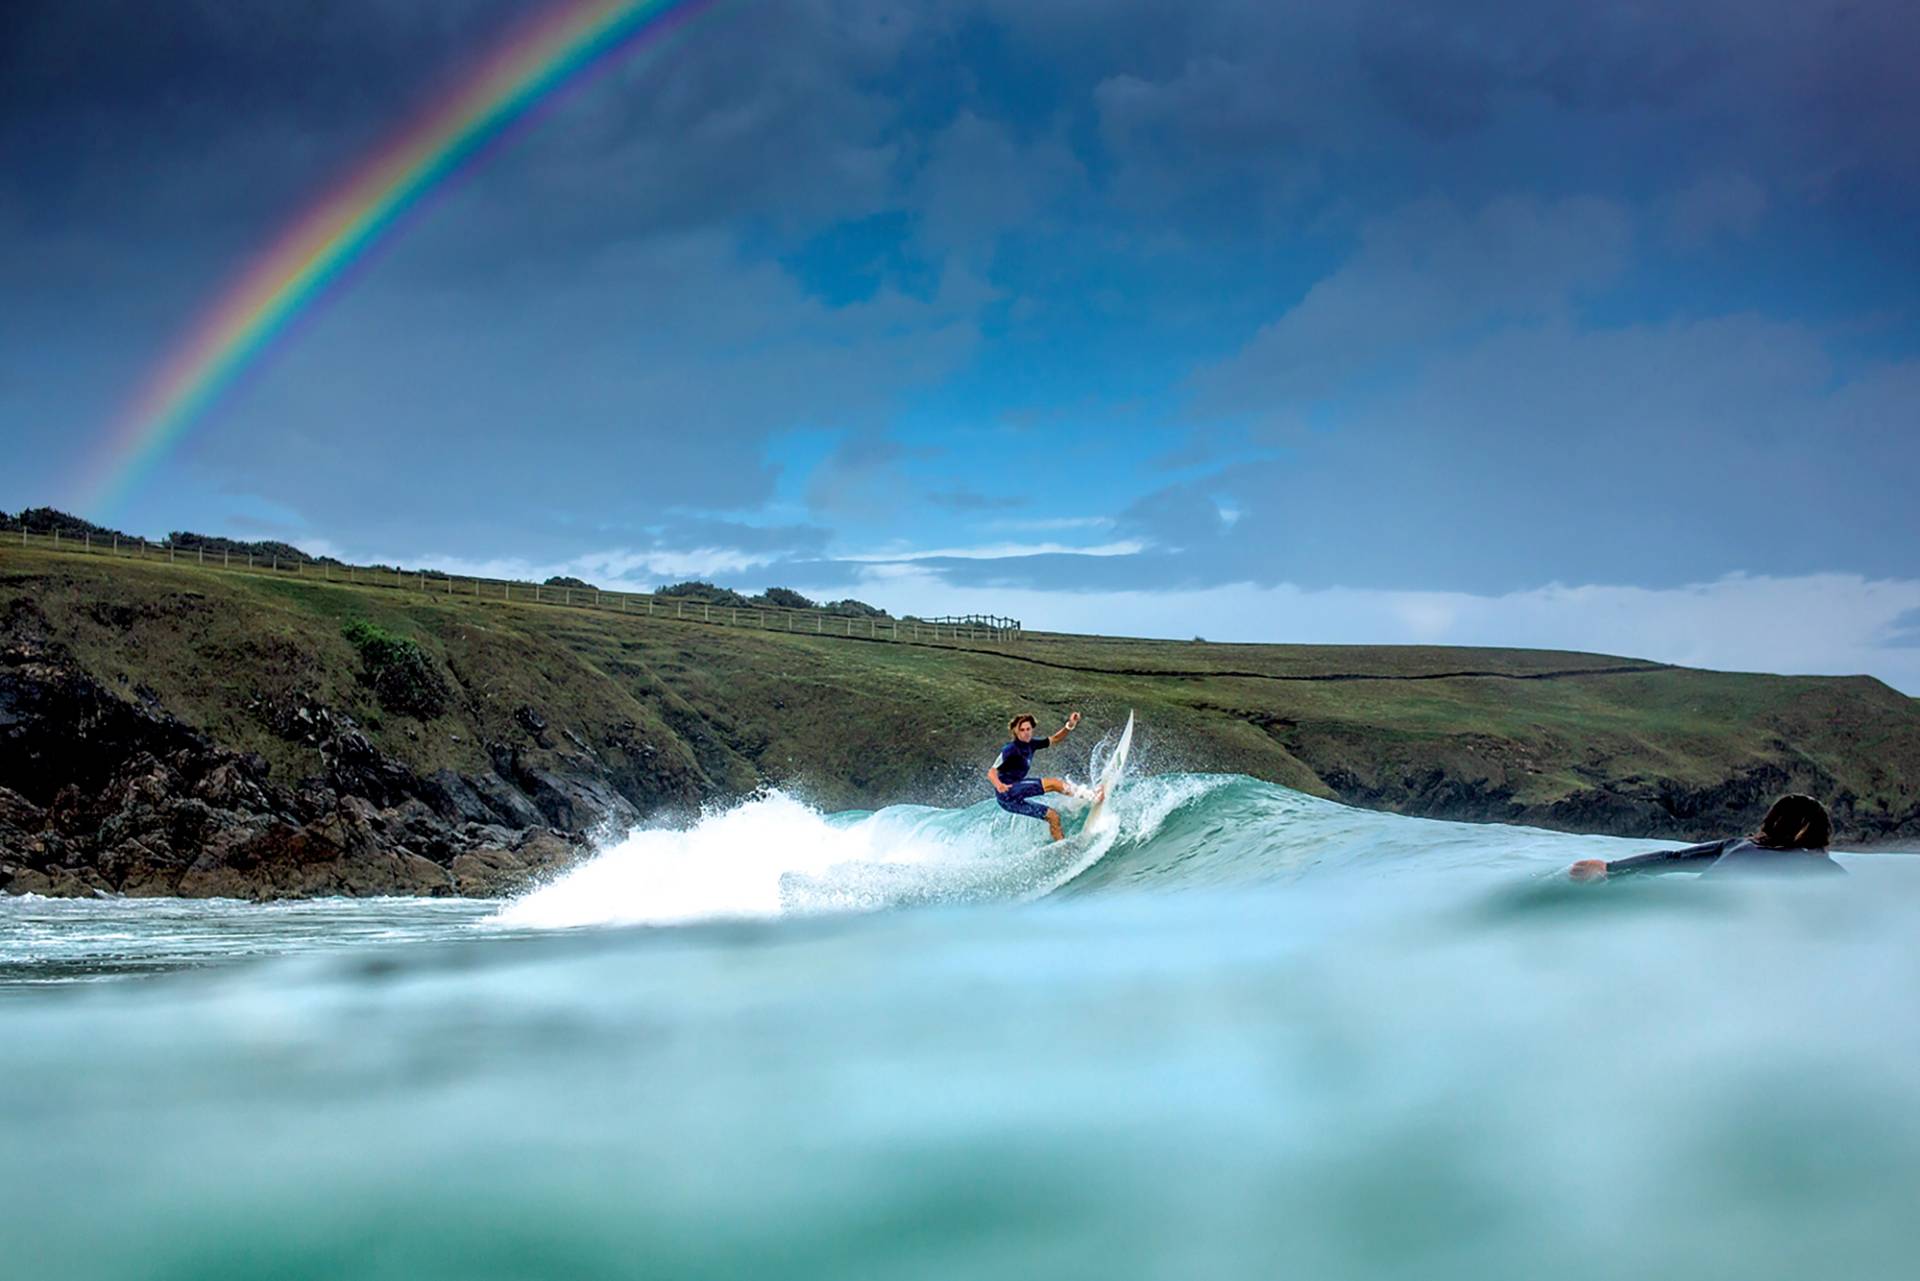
(1024, 718)
(1795, 822)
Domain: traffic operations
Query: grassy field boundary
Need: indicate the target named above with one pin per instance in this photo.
(801, 622)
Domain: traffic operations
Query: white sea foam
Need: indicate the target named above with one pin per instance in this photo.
(774, 855)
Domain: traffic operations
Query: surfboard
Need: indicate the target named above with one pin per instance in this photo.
(1110, 778)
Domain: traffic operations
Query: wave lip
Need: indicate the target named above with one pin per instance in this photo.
(773, 855)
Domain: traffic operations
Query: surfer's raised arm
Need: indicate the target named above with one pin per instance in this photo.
(1073, 719)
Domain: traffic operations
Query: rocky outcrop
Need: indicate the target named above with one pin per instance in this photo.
(100, 794)
(1659, 809)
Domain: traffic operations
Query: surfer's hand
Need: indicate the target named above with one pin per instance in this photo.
(1588, 869)
(1073, 718)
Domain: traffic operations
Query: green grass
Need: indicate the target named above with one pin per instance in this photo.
(863, 723)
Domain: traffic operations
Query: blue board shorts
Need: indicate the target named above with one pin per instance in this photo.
(1018, 798)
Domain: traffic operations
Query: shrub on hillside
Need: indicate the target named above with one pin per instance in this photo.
(566, 580)
(46, 520)
(402, 676)
(855, 609)
(707, 593)
(265, 550)
(785, 598)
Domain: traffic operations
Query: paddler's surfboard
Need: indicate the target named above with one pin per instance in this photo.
(1110, 778)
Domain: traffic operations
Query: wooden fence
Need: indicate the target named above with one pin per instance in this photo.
(808, 622)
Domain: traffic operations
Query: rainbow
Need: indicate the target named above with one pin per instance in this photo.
(547, 55)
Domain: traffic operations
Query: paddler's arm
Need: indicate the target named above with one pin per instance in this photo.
(1694, 858)
(993, 776)
(1053, 740)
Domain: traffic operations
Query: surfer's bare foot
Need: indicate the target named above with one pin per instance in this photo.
(1053, 825)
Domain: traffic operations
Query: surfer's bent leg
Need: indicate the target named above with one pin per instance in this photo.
(1018, 799)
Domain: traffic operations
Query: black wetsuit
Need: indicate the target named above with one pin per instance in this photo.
(1735, 855)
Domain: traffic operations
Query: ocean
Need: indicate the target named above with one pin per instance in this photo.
(1248, 1033)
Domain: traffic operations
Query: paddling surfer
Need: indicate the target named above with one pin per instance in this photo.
(1792, 839)
(1008, 773)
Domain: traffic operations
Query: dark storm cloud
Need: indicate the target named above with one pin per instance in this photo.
(1251, 105)
(649, 378)
(107, 101)
(1373, 233)
(216, 118)
(1426, 274)
(1662, 453)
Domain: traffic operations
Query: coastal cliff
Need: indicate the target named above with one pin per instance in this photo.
(171, 729)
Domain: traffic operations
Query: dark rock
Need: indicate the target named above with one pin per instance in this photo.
(508, 804)
(489, 871)
(99, 795)
(18, 812)
(453, 798)
(577, 802)
(534, 723)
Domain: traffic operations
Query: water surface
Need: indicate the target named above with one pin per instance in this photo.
(1253, 1034)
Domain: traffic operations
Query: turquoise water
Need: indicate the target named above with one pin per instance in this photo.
(1251, 1034)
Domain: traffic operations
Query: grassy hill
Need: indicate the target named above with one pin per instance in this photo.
(678, 712)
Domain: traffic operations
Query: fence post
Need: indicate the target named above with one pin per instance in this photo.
(89, 540)
(56, 538)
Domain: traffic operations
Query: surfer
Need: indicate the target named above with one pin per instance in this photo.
(1792, 839)
(1008, 773)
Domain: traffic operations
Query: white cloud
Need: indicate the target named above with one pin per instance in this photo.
(1000, 551)
(1052, 522)
(618, 569)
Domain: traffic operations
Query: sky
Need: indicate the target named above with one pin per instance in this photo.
(1590, 327)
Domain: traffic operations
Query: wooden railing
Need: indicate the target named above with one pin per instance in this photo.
(809, 622)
